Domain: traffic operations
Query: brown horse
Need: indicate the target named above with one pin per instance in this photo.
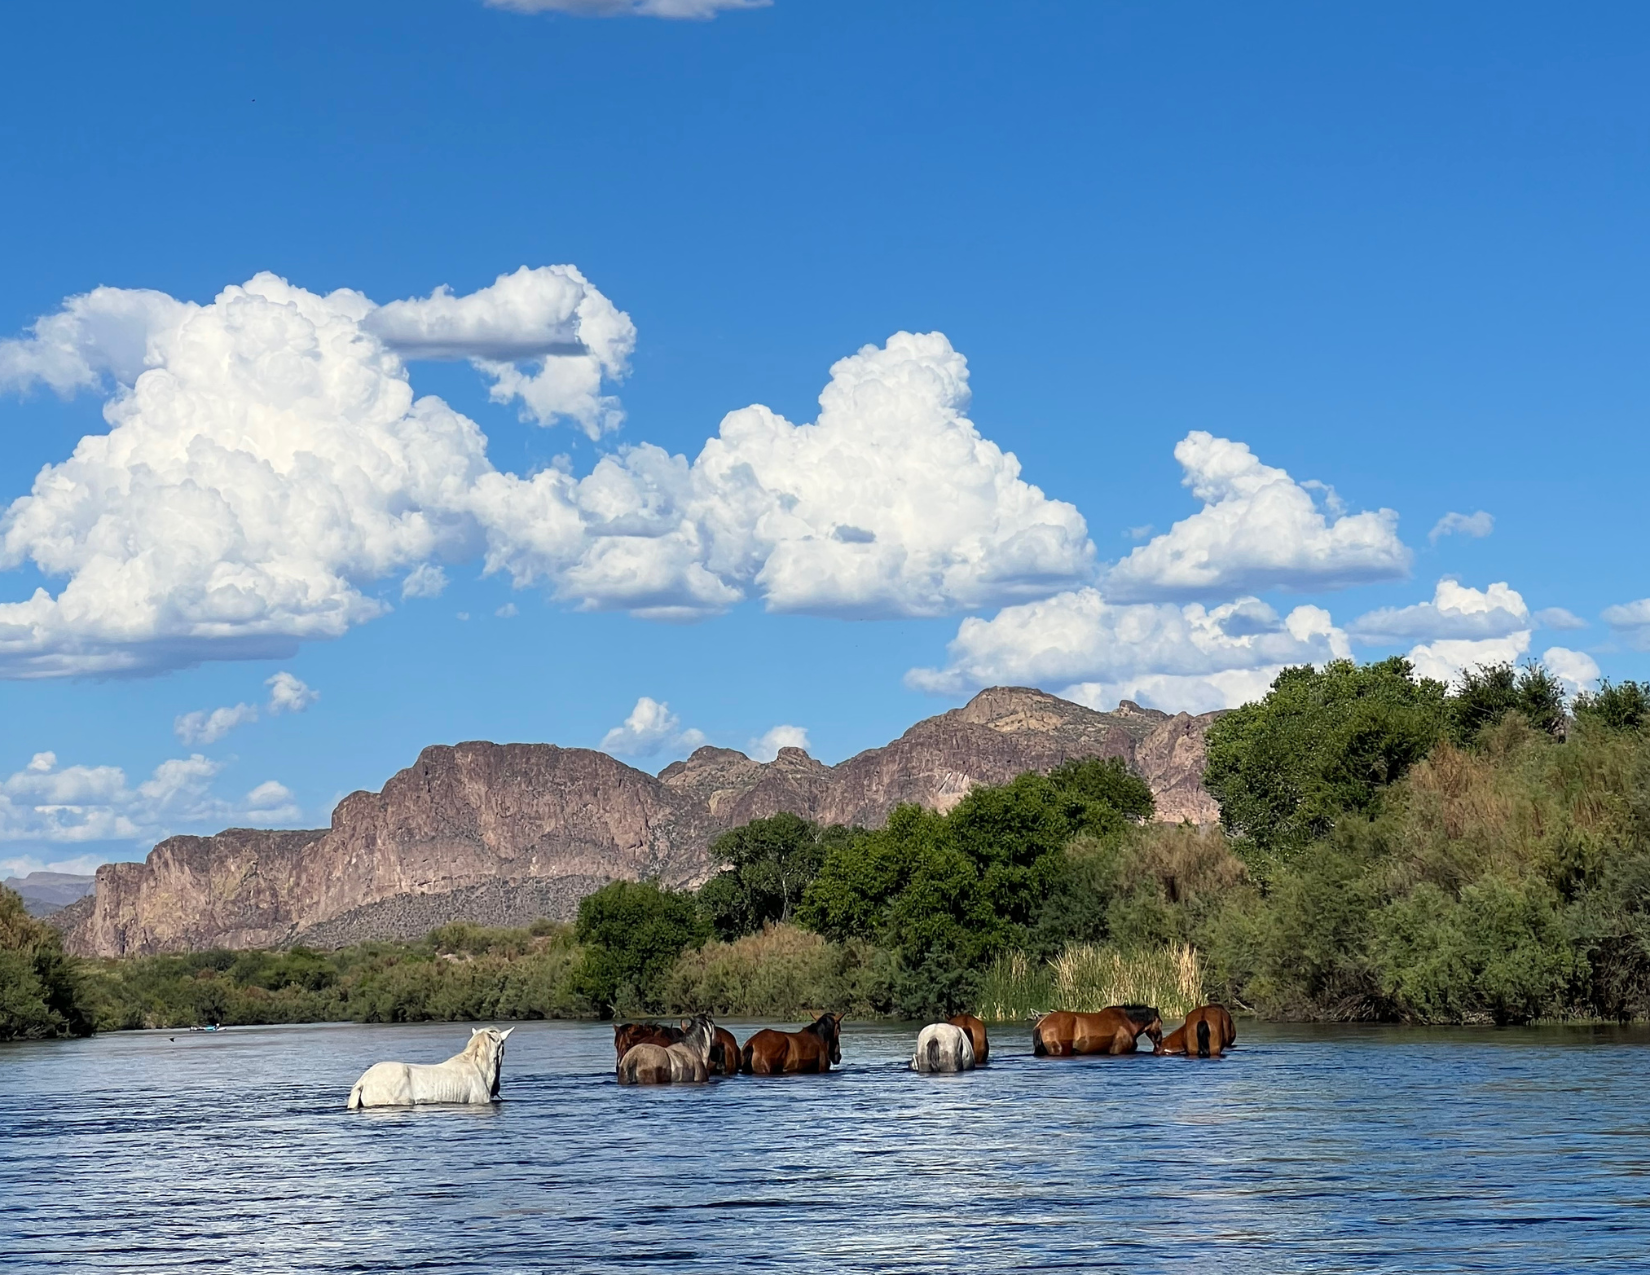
(1114, 1030)
(813, 1049)
(1207, 1033)
(724, 1054)
(628, 1035)
(976, 1035)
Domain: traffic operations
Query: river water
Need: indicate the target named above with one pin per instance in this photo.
(1306, 1149)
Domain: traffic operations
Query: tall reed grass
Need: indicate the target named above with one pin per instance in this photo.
(1088, 977)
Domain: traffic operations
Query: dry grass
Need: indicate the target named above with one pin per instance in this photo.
(1088, 977)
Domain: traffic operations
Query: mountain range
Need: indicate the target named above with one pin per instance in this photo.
(505, 833)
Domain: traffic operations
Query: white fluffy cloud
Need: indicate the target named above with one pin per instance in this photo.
(289, 694)
(1456, 611)
(550, 316)
(204, 727)
(1630, 621)
(1476, 525)
(426, 580)
(286, 695)
(890, 504)
(1448, 658)
(267, 463)
(1165, 655)
(1258, 529)
(767, 746)
(650, 729)
(1558, 618)
(46, 802)
(629, 8)
(1576, 669)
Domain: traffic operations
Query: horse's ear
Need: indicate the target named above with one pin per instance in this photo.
(505, 1034)
(687, 1024)
(475, 1031)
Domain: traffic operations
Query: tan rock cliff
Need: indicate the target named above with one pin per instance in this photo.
(501, 833)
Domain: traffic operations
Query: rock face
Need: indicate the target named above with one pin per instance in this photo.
(503, 833)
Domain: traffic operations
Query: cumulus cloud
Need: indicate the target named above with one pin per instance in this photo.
(46, 802)
(209, 727)
(650, 729)
(1576, 669)
(1558, 618)
(1258, 529)
(426, 580)
(890, 504)
(767, 747)
(103, 333)
(1476, 525)
(629, 8)
(1168, 656)
(1456, 611)
(551, 317)
(267, 462)
(1630, 621)
(1448, 658)
(288, 694)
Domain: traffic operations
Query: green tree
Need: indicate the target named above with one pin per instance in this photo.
(633, 932)
(1615, 705)
(1491, 691)
(1320, 744)
(770, 865)
(39, 991)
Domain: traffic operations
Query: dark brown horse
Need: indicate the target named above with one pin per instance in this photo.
(628, 1035)
(813, 1049)
(724, 1054)
(976, 1035)
(1207, 1033)
(1114, 1030)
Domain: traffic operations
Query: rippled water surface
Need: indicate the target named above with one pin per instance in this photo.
(1307, 1149)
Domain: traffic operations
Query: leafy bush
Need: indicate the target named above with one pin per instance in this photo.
(633, 932)
(1615, 705)
(1491, 691)
(770, 864)
(783, 972)
(40, 995)
(1319, 745)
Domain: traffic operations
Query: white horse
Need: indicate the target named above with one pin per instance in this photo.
(469, 1076)
(942, 1047)
(685, 1062)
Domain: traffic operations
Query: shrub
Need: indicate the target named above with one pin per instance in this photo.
(40, 994)
(633, 932)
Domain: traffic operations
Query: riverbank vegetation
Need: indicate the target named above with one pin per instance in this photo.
(1390, 850)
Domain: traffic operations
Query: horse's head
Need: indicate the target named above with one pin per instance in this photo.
(487, 1048)
(699, 1034)
(828, 1027)
(1145, 1018)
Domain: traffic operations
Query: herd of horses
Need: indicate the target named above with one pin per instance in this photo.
(661, 1054)
(658, 1053)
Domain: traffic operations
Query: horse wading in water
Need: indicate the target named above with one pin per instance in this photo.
(1114, 1030)
(687, 1061)
(813, 1049)
(628, 1035)
(470, 1076)
(943, 1047)
(976, 1035)
(1207, 1032)
(724, 1054)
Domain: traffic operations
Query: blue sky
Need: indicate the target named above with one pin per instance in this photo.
(1318, 262)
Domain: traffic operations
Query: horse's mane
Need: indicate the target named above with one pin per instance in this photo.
(1139, 1013)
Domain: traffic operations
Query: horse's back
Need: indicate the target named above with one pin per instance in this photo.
(772, 1053)
(646, 1064)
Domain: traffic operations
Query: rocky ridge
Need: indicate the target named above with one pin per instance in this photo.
(503, 833)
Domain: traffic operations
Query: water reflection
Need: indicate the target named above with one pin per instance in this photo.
(1305, 1150)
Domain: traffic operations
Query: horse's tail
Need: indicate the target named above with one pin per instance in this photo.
(1038, 1049)
(354, 1103)
(934, 1053)
(1203, 1038)
(745, 1059)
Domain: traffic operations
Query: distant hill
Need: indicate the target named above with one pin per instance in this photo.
(505, 833)
(45, 892)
